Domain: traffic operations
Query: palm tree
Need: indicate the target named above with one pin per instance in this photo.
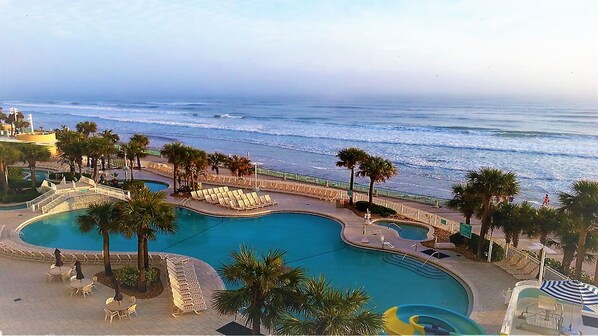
(330, 311)
(378, 170)
(175, 153)
(95, 147)
(142, 141)
(464, 201)
(112, 139)
(31, 154)
(8, 155)
(143, 215)
(268, 287)
(103, 218)
(582, 205)
(239, 166)
(215, 160)
(514, 219)
(86, 127)
(488, 185)
(349, 158)
(195, 162)
(72, 148)
(128, 151)
(546, 221)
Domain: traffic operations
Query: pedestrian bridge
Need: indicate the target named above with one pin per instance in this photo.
(54, 194)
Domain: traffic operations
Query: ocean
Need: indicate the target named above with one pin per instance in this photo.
(433, 142)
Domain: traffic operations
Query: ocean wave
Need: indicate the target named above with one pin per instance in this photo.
(226, 115)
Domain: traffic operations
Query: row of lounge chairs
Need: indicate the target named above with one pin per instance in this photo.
(10, 249)
(186, 291)
(522, 267)
(233, 199)
(328, 194)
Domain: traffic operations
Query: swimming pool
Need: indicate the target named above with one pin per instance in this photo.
(407, 230)
(310, 241)
(155, 185)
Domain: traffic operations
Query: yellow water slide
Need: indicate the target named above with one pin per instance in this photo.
(394, 326)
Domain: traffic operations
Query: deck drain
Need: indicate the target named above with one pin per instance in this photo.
(17, 300)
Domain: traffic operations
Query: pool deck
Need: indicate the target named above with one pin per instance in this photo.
(46, 308)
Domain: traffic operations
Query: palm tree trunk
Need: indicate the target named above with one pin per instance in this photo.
(568, 255)
(107, 266)
(95, 169)
(145, 254)
(174, 175)
(131, 165)
(371, 195)
(596, 275)
(255, 330)
(3, 180)
(543, 238)
(468, 219)
(141, 283)
(217, 170)
(72, 168)
(483, 229)
(515, 239)
(581, 252)
(32, 170)
(138, 161)
(109, 161)
(351, 186)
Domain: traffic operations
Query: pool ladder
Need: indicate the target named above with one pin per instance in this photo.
(405, 254)
(428, 258)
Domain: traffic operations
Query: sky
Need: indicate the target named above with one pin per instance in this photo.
(129, 49)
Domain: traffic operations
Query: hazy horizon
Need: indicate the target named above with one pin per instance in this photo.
(332, 49)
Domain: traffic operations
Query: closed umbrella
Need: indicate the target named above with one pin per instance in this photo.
(117, 294)
(59, 262)
(78, 270)
(572, 291)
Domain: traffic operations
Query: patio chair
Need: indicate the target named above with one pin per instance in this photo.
(109, 313)
(130, 311)
(86, 290)
(109, 300)
(94, 280)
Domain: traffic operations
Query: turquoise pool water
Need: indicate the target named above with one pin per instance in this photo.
(312, 242)
(155, 185)
(40, 175)
(407, 231)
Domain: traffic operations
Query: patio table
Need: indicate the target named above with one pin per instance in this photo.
(78, 284)
(58, 270)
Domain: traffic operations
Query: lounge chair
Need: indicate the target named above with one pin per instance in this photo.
(271, 201)
(511, 261)
(520, 264)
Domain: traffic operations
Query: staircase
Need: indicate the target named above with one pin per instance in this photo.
(416, 266)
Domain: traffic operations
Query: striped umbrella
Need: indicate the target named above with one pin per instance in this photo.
(571, 291)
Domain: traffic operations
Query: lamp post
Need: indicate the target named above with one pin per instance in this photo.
(255, 164)
(30, 118)
(543, 250)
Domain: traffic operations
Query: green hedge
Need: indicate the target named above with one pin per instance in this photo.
(375, 209)
(128, 276)
(19, 196)
(498, 253)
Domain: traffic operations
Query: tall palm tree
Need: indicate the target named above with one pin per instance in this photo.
(490, 185)
(567, 238)
(514, 219)
(268, 287)
(103, 218)
(215, 160)
(72, 148)
(582, 204)
(143, 215)
(127, 152)
(31, 154)
(330, 311)
(175, 153)
(378, 170)
(112, 139)
(142, 141)
(95, 147)
(239, 166)
(464, 200)
(8, 155)
(546, 221)
(350, 158)
(86, 127)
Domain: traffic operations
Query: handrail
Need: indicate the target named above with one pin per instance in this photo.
(428, 259)
(40, 197)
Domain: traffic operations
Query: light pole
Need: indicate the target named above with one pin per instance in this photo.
(543, 250)
(30, 118)
(255, 164)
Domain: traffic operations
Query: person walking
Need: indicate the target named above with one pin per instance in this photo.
(546, 201)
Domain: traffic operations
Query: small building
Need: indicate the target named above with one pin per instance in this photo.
(46, 139)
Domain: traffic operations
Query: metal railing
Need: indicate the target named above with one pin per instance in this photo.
(549, 272)
(33, 203)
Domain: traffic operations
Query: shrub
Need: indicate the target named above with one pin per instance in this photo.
(498, 253)
(375, 209)
(128, 276)
(18, 196)
(133, 184)
(67, 175)
(185, 189)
